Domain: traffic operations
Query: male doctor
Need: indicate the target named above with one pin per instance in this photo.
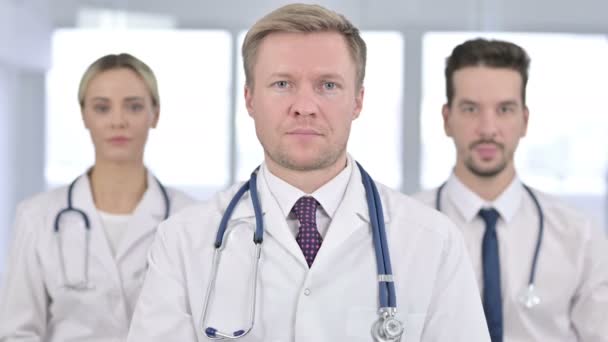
(486, 115)
(318, 278)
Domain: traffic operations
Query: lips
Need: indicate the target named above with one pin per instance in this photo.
(486, 150)
(303, 131)
(119, 140)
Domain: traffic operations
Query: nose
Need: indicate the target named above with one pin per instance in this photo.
(305, 102)
(118, 119)
(488, 124)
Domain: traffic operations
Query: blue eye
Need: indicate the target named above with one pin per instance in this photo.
(330, 85)
(281, 84)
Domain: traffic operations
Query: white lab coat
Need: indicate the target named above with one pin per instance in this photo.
(335, 300)
(34, 305)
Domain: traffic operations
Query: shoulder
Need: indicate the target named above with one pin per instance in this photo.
(200, 218)
(557, 206)
(416, 215)
(44, 201)
(561, 215)
(35, 214)
(427, 197)
(179, 199)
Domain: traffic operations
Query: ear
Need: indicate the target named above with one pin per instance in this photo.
(445, 113)
(358, 102)
(248, 93)
(156, 113)
(526, 117)
(84, 120)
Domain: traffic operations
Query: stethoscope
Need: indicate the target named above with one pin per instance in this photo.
(84, 283)
(528, 296)
(386, 329)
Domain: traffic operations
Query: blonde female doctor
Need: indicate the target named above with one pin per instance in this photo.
(78, 258)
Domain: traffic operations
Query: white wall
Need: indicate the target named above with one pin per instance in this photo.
(25, 30)
(537, 15)
(7, 169)
(22, 118)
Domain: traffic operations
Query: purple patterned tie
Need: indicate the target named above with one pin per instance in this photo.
(308, 236)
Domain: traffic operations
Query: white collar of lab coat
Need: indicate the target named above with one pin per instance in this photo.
(152, 202)
(354, 193)
(468, 203)
(329, 195)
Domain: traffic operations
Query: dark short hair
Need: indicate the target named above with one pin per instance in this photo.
(489, 53)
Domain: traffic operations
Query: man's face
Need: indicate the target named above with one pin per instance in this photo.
(486, 119)
(303, 98)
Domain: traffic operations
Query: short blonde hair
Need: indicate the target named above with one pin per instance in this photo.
(123, 60)
(303, 18)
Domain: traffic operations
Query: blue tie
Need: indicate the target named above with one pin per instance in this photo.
(492, 300)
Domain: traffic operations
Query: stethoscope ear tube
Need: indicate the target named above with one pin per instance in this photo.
(387, 298)
(227, 213)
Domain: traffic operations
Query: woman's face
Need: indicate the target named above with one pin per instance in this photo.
(118, 111)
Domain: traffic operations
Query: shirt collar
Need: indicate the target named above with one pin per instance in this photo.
(329, 195)
(468, 203)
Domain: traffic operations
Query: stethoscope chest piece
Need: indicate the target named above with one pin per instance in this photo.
(387, 328)
(529, 298)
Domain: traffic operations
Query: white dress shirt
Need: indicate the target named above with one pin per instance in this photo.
(572, 269)
(329, 197)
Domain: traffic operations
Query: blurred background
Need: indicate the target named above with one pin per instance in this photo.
(205, 139)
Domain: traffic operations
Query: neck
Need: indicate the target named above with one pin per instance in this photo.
(307, 181)
(117, 188)
(488, 188)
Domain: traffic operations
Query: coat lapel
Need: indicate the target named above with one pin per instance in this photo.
(275, 225)
(99, 249)
(351, 216)
(145, 219)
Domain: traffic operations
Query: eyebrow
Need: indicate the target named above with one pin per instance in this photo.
(99, 98)
(279, 75)
(133, 98)
(324, 76)
(509, 103)
(331, 76)
(126, 99)
(466, 102)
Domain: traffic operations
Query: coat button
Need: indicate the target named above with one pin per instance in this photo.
(307, 292)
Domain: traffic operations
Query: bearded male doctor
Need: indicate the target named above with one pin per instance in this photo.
(318, 275)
